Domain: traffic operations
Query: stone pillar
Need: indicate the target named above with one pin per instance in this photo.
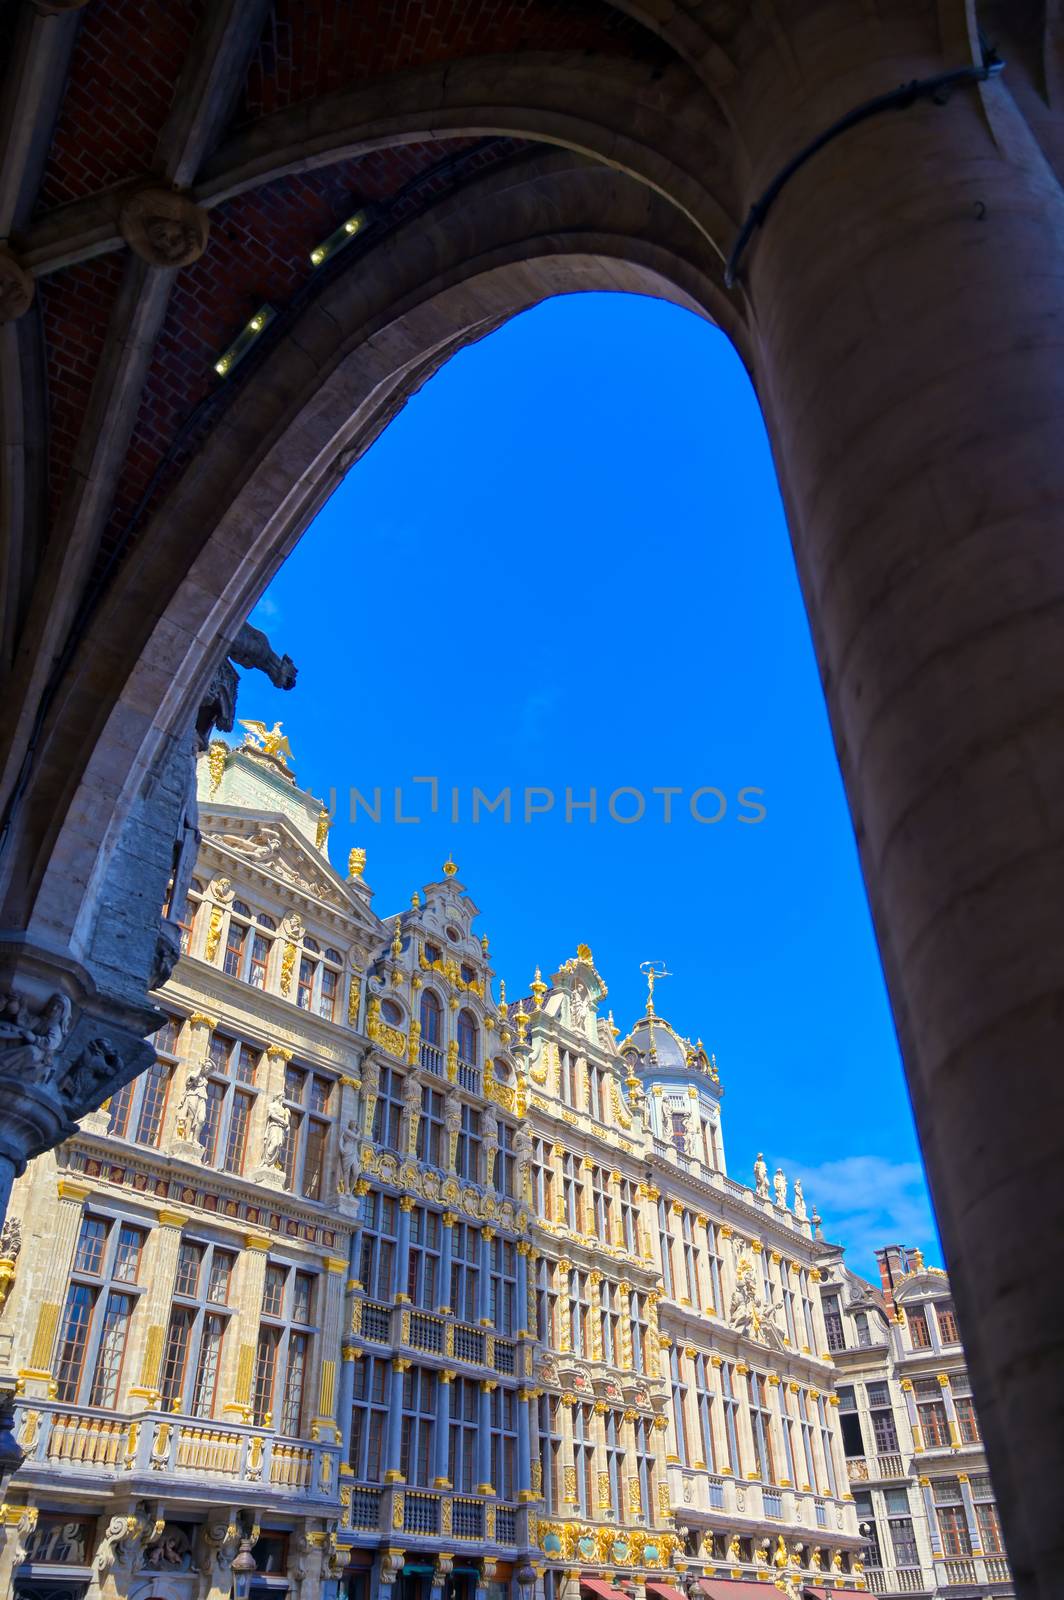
(912, 385)
(448, 1220)
(743, 1425)
(951, 1410)
(616, 1219)
(329, 1418)
(484, 1281)
(443, 1429)
(393, 1440)
(524, 1249)
(36, 1368)
(524, 1445)
(534, 1330)
(349, 1354)
(565, 1321)
(634, 1493)
(624, 1320)
(238, 1348)
(565, 1427)
(912, 1414)
(594, 1281)
(488, 1387)
(153, 1311)
(401, 1273)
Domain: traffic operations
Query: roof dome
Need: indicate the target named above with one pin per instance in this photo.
(653, 1045)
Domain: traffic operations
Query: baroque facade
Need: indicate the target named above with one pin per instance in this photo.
(911, 1436)
(374, 1281)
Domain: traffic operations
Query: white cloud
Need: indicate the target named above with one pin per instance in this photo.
(867, 1202)
(266, 611)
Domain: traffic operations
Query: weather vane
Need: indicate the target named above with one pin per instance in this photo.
(654, 970)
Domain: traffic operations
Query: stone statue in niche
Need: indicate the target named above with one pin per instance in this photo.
(760, 1177)
(349, 1164)
(578, 1005)
(523, 1163)
(192, 1108)
(275, 1135)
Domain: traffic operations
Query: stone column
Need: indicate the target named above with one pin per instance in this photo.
(521, 1291)
(951, 1410)
(533, 1316)
(393, 1439)
(616, 1219)
(565, 1425)
(488, 1387)
(329, 1419)
(448, 1221)
(743, 1424)
(624, 1319)
(36, 1370)
(913, 382)
(484, 1282)
(594, 1282)
(603, 1499)
(443, 1429)
(634, 1491)
(565, 1323)
(238, 1349)
(401, 1273)
(153, 1310)
(524, 1445)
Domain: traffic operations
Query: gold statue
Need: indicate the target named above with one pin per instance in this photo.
(271, 741)
(356, 862)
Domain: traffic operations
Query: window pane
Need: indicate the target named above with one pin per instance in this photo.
(207, 1367)
(177, 1337)
(265, 1372)
(236, 1138)
(89, 1253)
(149, 1125)
(112, 1348)
(292, 1405)
(72, 1340)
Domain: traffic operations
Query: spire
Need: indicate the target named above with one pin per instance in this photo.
(654, 970)
(450, 867)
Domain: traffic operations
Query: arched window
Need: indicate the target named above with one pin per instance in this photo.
(467, 1037)
(431, 1018)
(391, 1012)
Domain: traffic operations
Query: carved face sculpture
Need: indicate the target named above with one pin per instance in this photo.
(172, 241)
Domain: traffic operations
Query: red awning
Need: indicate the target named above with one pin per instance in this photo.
(604, 1590)
(737, 1589)
(665, 1591)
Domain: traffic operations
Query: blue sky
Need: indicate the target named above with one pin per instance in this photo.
(565, 567)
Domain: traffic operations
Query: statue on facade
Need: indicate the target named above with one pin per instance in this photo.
(578, 1004)
(411, 1095)
(10, 1239)
(250, 648)
(779, 1185)
(350, 1162)
(96, 1070)
(799, 1201)
(760, 1177)
(275, 1134)
(748, 1312)
(192, 1107)
(523, 1164)
(452, 1113)
(29, 1043)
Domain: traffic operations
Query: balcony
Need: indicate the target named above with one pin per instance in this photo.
(429, 1514)
(401, 1327)
(431, 1059)
(898, 1580)
(875, 1469)
(80, 1443)
(468, 1077)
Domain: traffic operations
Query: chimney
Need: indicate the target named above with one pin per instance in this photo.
(893, 1262)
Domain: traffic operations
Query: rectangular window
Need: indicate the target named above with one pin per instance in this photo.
(178, 1338)
(967, 1421)
(265, 1374)
(953, 1528)
(947, 1323)
(236, 1139)
(295, 1382)
(371, 1397)
(330, 991)
(206, 1381)
(112, 1348)
(73, 1339)
(833, 1323)
(919, 1335)
(153, 1104)
(260, 960)
(380, 1231)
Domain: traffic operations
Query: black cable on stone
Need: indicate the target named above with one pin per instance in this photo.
(938, 89)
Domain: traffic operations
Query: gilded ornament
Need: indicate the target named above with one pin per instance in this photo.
(214, 933)
(288, 960)
(321, 833)
(217, 756)
(356, 863)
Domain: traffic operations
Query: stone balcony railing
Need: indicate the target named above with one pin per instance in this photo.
(432, 1514)
(875, 1469)
(405, 1328)
(78, 1442)
(972, 1570)
(899, 1580)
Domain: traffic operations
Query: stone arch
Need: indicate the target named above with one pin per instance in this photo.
(550, 223)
